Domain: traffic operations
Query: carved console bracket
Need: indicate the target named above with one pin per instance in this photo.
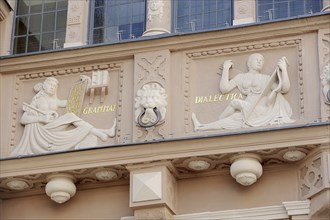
(60, 187)
(246, 168)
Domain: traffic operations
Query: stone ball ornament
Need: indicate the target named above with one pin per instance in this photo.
(246, 169)
(60, 187)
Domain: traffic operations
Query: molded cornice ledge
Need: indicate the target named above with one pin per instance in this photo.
(280, 212)
(297, 207)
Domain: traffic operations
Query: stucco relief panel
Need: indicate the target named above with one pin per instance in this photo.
(151, 99)
(100, 113)
(204, 70)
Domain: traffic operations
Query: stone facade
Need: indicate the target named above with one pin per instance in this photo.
(155, 164)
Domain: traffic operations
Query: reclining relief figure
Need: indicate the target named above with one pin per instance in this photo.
(264, 103)
(46, 131)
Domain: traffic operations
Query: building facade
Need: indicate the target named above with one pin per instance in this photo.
(165, 109)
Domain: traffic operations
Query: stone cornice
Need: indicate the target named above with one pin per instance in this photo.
(269, 212)
(145, 152)
(124, 50)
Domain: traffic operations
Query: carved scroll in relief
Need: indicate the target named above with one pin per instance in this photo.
(76, 97)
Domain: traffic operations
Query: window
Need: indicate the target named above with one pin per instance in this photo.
(195, 15)
(39, 25)
(115, 20)
(278, 9)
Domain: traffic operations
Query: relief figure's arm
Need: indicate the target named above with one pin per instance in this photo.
(62, 103)
(34, 115)
(225, 84)
(284, 76)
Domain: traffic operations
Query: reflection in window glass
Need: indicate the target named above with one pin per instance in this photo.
(39, 25)
(19, 45)
(196, 15)
(279, 9)
(115, 20)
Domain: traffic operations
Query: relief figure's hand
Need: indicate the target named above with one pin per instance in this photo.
(282, 64)
(227, 65)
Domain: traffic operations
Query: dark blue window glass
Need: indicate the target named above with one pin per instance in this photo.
(279, 9)
(196, 15)
(115, 20)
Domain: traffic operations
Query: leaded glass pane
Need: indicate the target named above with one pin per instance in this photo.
(48, 22)
(195, 15)
(22, 7)
(98, 17)
(61, 20)
(50, 5)
(21, 26)
(33, 43)
(36, 29)
(47, 41)
(62, 4)
(36, 6)
(19, 45)
(116, 20)
(279, 9)
(35, 24)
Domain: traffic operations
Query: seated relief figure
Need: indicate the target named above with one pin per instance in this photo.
(46, 131)
(264, 103)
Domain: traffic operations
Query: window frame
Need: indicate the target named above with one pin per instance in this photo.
(91, 28)
(26, 36)
(203, 13)
(288, 2)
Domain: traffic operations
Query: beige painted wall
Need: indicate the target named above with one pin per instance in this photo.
(99, 203)
(223, 193)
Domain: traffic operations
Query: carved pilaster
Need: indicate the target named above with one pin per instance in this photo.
(76, 30)
(158, 213)
(158, 17)
(244, 12)
(324, 64)
(150, 113)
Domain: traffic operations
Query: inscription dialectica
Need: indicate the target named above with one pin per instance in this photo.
(218, 98)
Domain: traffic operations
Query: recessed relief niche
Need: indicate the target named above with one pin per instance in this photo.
(253, 98)
(53, 124)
